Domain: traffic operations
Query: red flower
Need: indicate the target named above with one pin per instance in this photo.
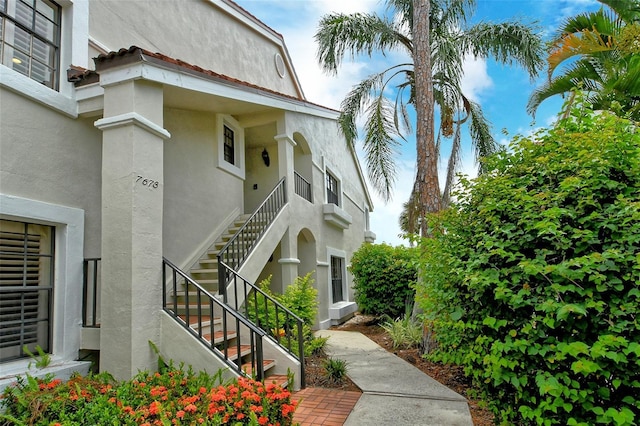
(154, 408)
(191, 408)
(180, 414)
(263, 420)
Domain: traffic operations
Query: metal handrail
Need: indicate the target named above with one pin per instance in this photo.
(302, 187)
(90, 315)
(238, 248)
(250, 310)
(205, 304)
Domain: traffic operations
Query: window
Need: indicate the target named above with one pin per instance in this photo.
(230, 139)
(332, 190)
(30, 39)
(26, 287)
(229, 146)
(337, 279)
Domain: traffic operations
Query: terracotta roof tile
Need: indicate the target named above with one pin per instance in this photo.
(136, 54)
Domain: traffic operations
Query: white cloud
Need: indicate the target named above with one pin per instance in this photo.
(475, 80)
(385, 216)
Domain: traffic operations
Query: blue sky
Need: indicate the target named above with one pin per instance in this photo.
(501, 90)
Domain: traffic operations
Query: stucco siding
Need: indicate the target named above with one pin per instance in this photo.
(49, 157)
(198, 32)
(198, 195)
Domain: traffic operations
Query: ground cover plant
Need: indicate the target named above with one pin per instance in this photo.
(383, 278)
(532, 279)
(173, 396)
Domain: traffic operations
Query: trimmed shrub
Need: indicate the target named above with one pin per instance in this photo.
(384, 277)
(532, 280)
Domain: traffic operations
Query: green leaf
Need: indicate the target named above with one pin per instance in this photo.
(584, 366)
(570, 308)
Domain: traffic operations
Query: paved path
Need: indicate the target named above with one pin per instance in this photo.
(394, 391)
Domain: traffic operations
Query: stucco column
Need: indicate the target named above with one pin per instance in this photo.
(285, 161)
(289, 261)
(132, 202)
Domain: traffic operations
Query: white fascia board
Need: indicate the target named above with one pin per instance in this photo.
(185, 80)
(89, 91)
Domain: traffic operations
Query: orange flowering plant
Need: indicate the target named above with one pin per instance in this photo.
(173, 396)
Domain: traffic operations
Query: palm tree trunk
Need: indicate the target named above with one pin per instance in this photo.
(426, 184)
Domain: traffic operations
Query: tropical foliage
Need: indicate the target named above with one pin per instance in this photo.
(301, 298)
(534, 285)
(383, 98)
(598, 52)
(383, 278)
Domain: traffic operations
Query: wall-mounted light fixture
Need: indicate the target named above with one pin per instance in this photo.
(265, 157)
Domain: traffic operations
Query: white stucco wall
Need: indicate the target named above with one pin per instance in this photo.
(49, 157)
(195, 31)
(199, 197)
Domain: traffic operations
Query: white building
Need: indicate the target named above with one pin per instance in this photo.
(137, 156)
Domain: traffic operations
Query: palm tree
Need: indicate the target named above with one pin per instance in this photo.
(447, 41)
(598, 53)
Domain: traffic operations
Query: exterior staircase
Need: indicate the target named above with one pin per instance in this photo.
(205, 271)
(198, 301)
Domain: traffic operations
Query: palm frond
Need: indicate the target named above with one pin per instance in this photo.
(627, 10)
(380, 146)
(452, 166)
(507, 43)
(358, 33)
(481, 138)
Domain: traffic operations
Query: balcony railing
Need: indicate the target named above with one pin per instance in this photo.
(91, 292)
(303, 187)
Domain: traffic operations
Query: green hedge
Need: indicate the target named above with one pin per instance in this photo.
(384, 277)
(533, 282)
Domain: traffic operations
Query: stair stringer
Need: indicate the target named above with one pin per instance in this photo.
(254, 264)
(178, 345)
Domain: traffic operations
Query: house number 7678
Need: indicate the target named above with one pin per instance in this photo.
(153, 184)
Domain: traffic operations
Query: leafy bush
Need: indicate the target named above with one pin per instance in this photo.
(532, 280)
(404, 332)
(301, 299)
(173, 396)
(384, 277)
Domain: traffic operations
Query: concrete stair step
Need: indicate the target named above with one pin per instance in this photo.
(206, 320)
(279, 379)
(232, 351)
(267, 365)
(203, 271)
(220, 337)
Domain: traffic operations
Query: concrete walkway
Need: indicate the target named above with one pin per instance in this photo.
(394, 392)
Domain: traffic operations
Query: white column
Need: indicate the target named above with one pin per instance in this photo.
(132, 203)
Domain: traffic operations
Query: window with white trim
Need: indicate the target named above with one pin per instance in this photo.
(338, 290)
(230, 145)
(30, 39)
(26, 288)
